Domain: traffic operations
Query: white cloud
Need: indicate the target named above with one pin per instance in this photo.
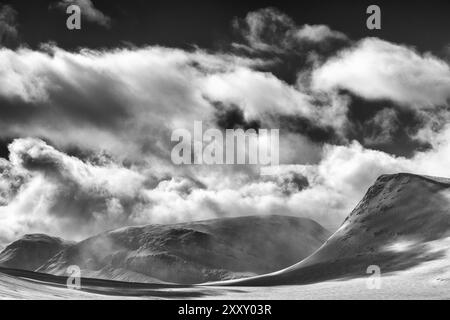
(127, 101)
(244, 87)
(317, 33)
(376, 69)
(65, 196)
(62, 195)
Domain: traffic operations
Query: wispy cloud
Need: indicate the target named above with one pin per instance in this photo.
(273, 31)
(8, 26)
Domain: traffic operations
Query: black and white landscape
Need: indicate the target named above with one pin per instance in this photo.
(115, 155)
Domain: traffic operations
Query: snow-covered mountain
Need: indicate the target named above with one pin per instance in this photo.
(31, 251)
(395, 227)
(183, 253)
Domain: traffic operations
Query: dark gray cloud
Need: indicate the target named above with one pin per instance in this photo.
(272, 35)
(307, 127)
(8, 26)
(232, 117)
(386, 126)
(270, 30)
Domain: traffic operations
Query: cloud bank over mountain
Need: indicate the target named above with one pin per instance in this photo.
(90, 130)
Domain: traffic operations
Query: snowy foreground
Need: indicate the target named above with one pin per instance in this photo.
(429, 281)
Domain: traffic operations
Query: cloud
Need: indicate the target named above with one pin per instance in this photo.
(273, 31)
(63, 195)
(92, 128)
(128, 101)
(8, 26)
(376, 69)
(381, 128)
(66, 196)
(88, 11)
(10, 181)
(51, 91)
(318, 33)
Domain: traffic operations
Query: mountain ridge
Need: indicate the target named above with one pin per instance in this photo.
(31, 251)
(191, 252)
(390, 228)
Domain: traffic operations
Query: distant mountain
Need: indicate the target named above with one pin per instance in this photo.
(193, 252)
(392, 228)
(31, 251)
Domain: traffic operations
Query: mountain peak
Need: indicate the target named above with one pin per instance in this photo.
(405, 175)
(40, 237)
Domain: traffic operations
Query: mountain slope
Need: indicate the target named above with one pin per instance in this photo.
(193, 252)
(390, 228)
(31, 251)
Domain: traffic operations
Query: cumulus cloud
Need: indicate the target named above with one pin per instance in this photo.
(65, 191)
(92, 130)
(88, 11)
(116, 97)
(34, 155)
(128, 101)
(8, 26)
(64, 195)
(377, 69)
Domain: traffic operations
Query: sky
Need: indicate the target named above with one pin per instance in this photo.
(86, 116)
